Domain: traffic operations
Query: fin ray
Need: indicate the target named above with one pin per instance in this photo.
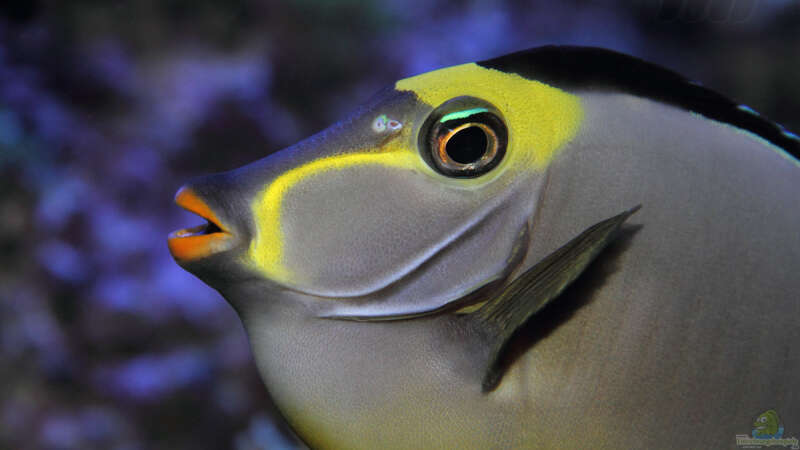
(502, 316)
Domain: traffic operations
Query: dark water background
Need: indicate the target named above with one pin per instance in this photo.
(107, 107)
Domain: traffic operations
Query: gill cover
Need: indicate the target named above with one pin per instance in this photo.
(420, 198)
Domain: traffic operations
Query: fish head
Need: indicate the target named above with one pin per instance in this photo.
(419, 198)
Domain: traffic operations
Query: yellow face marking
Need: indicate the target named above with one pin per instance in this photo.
(540, 118)
(266, 249)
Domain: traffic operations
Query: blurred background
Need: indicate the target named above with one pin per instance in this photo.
(106, 108)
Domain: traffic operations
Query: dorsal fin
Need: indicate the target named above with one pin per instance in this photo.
(499, 318)
(569, 67)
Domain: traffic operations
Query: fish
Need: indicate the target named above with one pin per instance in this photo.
(561, 247)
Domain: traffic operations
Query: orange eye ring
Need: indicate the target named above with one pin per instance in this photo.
(446, 161)
(464, 137)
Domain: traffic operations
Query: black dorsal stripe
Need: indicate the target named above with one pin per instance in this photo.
(572, 68)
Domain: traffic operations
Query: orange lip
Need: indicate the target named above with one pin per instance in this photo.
(201, 241)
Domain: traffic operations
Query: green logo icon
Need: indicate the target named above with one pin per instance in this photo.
(767, 432)
(767, 426)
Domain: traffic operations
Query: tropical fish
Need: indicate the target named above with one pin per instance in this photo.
(562, 247)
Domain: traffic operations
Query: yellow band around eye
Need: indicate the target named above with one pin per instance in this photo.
(539, 117)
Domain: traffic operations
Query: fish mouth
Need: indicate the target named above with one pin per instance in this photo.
(201, 241)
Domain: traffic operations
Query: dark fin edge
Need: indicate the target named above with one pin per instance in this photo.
(573, 67)
(503, 315)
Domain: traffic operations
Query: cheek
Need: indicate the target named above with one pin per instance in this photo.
(353, 231)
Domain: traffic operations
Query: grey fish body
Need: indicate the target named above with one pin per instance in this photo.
(695, 327)
(677, 336)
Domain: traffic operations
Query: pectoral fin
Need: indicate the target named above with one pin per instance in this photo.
(502, 316)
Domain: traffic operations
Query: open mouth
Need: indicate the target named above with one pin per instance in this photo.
(202, 240)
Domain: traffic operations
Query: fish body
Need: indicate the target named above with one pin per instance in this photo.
(402, 289)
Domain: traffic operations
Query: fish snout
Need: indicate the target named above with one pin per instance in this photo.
(218, 234)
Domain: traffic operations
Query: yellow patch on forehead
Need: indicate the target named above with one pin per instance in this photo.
(540, 118)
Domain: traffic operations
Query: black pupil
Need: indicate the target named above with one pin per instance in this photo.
(467, 145)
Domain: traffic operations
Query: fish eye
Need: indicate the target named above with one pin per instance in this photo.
(464, 137)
